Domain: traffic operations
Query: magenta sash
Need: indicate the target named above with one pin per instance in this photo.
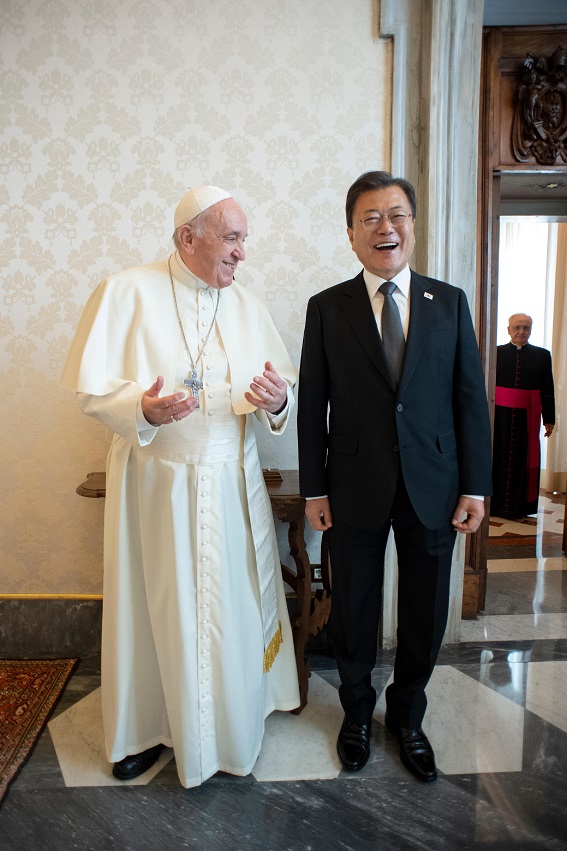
(511, 397)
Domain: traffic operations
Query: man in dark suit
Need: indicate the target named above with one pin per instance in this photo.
(524, 397)
(397, 440)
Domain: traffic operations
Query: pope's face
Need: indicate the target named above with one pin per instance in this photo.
(214, 255)
(520, 329)
(383, 250)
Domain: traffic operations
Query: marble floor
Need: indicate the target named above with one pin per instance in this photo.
(497, 719)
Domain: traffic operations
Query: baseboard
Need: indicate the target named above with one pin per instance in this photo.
(50, 628)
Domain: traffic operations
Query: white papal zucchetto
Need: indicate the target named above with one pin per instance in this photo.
(195, 201)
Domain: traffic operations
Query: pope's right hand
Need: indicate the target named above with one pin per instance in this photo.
(166, 409)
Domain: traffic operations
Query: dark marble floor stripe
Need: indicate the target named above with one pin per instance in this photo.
(493, 811)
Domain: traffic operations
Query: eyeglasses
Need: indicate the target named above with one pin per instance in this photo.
(397, 220)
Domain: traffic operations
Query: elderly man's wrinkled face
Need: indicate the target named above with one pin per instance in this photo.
(214, 254)
(384, 243)
(520, 329)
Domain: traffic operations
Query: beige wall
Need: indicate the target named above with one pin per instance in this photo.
(109, 110)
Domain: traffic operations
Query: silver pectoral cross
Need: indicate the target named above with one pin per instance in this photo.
(194, 384)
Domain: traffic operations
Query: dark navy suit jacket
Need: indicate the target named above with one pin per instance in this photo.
(355, 429)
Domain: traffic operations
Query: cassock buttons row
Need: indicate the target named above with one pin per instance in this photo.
(211, 394)
(204, 606)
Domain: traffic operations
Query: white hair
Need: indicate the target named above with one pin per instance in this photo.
(197, 225)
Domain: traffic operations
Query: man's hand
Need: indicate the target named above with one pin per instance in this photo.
(318, 512)
(161, 411)
(468, 514)
(548, 429)
(270, 391)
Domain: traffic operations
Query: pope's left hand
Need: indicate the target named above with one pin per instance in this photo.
(269, 391)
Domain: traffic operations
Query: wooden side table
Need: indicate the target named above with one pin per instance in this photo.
(311, 610)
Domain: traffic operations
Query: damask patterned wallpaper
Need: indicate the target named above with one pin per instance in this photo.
(109, 110)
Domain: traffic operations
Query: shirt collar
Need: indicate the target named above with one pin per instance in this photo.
(374, 282)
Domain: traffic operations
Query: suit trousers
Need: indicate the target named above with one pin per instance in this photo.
(424, 571)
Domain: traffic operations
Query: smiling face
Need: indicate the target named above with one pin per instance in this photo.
(213, 252)
(385, 250)
(520, 329)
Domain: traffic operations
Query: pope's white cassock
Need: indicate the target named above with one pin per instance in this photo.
(196, 641)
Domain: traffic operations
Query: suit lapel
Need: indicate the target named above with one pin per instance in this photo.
(422, 313)
(360, 316)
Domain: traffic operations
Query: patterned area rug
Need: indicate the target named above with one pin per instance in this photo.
(29, 691)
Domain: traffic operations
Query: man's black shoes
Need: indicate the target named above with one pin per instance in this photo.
(353, 745)
(133, 766)
(416, 752)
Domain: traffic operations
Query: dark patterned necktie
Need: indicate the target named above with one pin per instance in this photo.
(392, 331)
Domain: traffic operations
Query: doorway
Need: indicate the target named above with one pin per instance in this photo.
(527, 275)
(521, 266)
(507, 186)
(512, 200)
(529, 271)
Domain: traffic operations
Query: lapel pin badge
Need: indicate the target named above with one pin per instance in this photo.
(428, 295)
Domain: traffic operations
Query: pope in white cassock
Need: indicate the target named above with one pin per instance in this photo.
(174, 358)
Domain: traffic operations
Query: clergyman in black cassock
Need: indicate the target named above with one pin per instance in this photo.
(524, 399)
